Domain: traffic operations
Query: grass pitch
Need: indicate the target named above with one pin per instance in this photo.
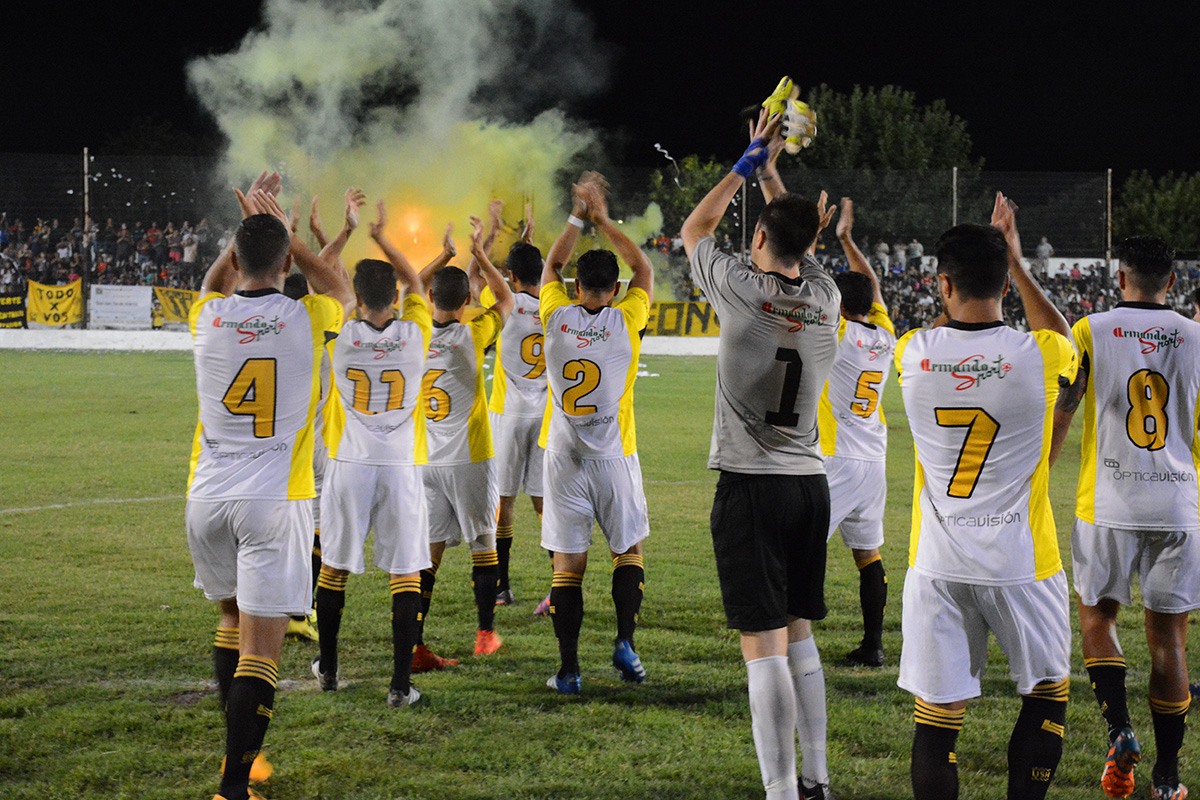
(105, 681)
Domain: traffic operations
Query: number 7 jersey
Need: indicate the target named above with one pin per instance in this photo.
(980, 404)
(1141, 452)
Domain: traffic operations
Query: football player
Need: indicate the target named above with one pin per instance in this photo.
(984, 554)
(1136, 509)
(592, 472)
(770, 515)
(250, 488)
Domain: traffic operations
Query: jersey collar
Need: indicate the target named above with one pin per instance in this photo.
(975, 326)
(257, 292)
(1142, 304)
(446, 324)
(381, 329)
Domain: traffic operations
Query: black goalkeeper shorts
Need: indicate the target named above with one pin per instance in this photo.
(769, 535)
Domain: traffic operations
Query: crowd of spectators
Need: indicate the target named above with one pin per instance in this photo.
(53, 253)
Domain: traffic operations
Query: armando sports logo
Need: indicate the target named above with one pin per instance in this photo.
(588, 336)
(1152, 339)
(972, 370)
(877, 348)
(799, 316)
(381, 347)
(253, 328)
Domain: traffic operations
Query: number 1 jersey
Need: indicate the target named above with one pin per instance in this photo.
(980, 402)
(1141, 452)
(257, 358)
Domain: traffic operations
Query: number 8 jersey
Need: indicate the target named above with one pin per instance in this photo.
(1140, 445)
(591, 361)
(980, 402)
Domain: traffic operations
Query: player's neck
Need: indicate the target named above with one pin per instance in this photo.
(975, 310)
(257, 284)
(1131, 295)
(377, 318)
(786, 269)
(856, 317)
(443, 317)
(530, 289)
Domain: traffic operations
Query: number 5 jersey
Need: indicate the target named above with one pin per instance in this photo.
(980, 402)
(1140, 445)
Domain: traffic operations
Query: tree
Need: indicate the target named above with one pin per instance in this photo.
(678, 193)
(1169, 207)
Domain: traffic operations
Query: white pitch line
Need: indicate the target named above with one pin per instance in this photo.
(111, 501)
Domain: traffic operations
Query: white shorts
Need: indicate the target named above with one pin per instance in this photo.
(462, 501)
(518, 456)
(857, 495)
(945, 627)
(1167, 564)
(258, 551)
(582, 490)
(388, 498)
(320, 460)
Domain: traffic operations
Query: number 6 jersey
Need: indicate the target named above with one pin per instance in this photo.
(980, 402)
(1140, 444)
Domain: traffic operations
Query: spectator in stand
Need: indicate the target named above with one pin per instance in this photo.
(882, 255)
(1044, 251)
(916, 251)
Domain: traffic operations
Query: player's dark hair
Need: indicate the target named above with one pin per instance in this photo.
(857, 292)
(974, 257)
(295, 286)
(1196, 296)
(450, 288)
(597, 270)
(525, 263)
(375, 283)
(261, 243)
(1148, 261)
(791, 223)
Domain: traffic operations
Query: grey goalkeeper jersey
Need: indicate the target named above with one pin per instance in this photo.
(778, 342)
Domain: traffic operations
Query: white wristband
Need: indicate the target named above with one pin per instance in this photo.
(576, 221)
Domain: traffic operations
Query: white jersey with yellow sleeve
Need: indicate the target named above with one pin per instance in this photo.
(1141, 448)
(457, 424)
(591, 361)
(378, 373)
(257, 357)
(850, 411)
(980, 401)
(519, 385)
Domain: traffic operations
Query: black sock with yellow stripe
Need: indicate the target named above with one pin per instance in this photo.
(1108, 682)
(872, 595)
(1036, 745)
(934, 764)
(428, 579)
(225, 658)
(1170, 719)
(566, 611)
(316, 558)
(406, 608)
(247, 715)
(331, 599)
(485, 568)
(504, 541)
(628, 586)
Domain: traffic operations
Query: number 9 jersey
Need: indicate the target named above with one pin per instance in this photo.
(1141, 451)
(591, 361)
(980, 401)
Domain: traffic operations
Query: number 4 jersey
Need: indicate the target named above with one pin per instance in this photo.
(257, 358)
(980, 401)
(1140, 444)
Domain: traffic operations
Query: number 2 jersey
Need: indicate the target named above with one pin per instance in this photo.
(850, 414)
(591, 360)
(1141, 452)
(377, 373)
(778, 342)
(980, 402)
(519, 385)
(258, 357)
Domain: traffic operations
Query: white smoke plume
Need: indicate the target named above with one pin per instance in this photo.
(435, 106)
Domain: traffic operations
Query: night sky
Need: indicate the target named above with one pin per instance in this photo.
(1042, 86)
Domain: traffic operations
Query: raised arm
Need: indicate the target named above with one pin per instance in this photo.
(494, 210)
(442, 258)
(221, 277)
(495, 281)
(527, 231)
(858, 262)
(708, 213)
(1039, 311)
(314, 225)
(564, 246)
(769, 179)
(404, 271)
(627, 249)
(826, 211)
(331, 251)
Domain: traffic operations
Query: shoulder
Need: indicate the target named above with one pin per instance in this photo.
(486, 298)
(326, 312)
(1057, 351)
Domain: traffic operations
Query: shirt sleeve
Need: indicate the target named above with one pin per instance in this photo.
(552, 297)
(879, 316)
(900, 347)
(486, 298)
(635, 306)
(1059, 354)
(485, 328)
(326, 313)
(709, 268)
(194, 311)
(416, 309)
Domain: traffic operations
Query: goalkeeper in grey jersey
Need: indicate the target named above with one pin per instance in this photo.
(770, 517)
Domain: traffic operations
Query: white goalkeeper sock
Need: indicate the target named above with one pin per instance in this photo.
(808, 678)
(773, 720)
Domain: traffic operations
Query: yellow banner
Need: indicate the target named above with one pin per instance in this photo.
(55, 305)
(682, 318)
(176, 303)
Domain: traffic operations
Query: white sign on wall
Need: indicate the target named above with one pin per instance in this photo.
(120, 307)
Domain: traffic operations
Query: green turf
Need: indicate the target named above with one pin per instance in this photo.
(106, 688)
